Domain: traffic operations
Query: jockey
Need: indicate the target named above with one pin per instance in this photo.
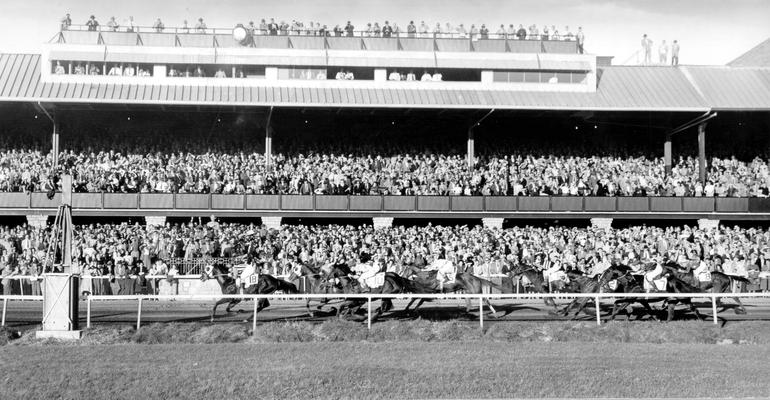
(701, 272)
(444, 268)
(653, 280)
(365, 269)
(249, 275)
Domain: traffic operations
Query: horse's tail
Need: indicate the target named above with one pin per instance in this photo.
(486, 283)
(287, 287)
(741, 279)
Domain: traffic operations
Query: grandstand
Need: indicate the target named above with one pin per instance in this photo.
(485, 95)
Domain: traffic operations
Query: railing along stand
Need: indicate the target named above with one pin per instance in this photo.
(598, 312)
(481, 313)
(254, 323)
(139, 315)
(369, 313)
(88, 312)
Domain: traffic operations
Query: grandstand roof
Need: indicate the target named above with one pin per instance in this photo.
(619, 88)
(758, 56)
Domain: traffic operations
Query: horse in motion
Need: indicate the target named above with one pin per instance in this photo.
(719, 283)
(464, 281)
(536, 280)
(393, 283)
(623, 279)
(265, 284)
(318, 284)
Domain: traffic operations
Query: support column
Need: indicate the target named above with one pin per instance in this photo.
(269, 139)
(382, 222)
(272, 222)
(152, 220)
(55, 143)
(667, 154)
(603, 223)
(708, 224)
(702, 153)
(471, 150)
(493, 223)
(37, 221)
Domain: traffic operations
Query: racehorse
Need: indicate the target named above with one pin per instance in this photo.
(465, 281)
(392, 284)
(579, 283)
(266, 284)
(318, 284)
(720, 283)
(535, 278)
(627, 282)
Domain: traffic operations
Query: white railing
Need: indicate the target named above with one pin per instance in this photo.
(371, 297)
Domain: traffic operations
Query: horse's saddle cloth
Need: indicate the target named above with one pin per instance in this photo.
(613, 285)
(376, 281)
(704, 276)
(250, 279)
(558, 276)
(656, 284)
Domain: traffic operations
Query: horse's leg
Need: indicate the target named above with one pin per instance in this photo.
(419, 303)
(309, 311)
(412, 300)
(616, 308)
(491, 308)
(649, 309)
(671, 307)
(214, 311)
(583, 302)
(741, 309)
(262, 304)
(387, 305)
(233, 303)
(694, 309)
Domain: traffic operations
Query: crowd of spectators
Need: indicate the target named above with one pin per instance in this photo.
(125, 254)
(400, 174)
(272, 27)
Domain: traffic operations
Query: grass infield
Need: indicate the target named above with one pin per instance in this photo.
(402, 359)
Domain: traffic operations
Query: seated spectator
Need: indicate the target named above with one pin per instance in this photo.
(437, 77)
(116, 70)
(349, 76)
(79, 69)
(411, 76)
(426, 77)
(220, 73)
(59, 70)
(200, 27)
(340, 75)
(94, 70)
(394, 76)
(129, 70)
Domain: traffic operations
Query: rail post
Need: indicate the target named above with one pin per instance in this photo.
(139, 315)
(481, 313)
(369, 312)
(714, 307)
(88, 312)
(254, 323)
(5, 308)
(598, 312)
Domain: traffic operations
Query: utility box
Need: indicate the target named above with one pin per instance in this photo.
(60, 306)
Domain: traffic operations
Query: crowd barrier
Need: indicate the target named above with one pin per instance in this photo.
(596, 297)
(382, 204)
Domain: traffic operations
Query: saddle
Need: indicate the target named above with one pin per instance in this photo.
(658, 285)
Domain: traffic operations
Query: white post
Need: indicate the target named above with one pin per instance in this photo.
(714, 308)
(88, 312)
(369, 313)
(481, 313)
(139, 315)
(254, 323)
(5, 308)
(598, 312)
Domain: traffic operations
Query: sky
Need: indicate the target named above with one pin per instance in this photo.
(710, 32)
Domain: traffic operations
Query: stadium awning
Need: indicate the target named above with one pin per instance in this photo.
(618, 89)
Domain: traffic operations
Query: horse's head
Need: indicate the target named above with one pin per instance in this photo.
(214, 271)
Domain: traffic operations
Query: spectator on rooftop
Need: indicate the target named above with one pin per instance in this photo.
(387, 30)
(59, 70)
(568, 34)
(411, 29)
(131, 25)
(349, 29)
(647, 49)
(200, 27)
(675, 53)
(112, 24)
(65, 22)
(521, 34)
(92, 24)
(158, 26)
(581, 40)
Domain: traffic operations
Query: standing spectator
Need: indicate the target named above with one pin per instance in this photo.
(424, 29)
(501, 32)
(484, 32)
(387, 30)
(263, 27)
(158, 25)
(675, 53)
(647, 49)
(521, 34)
(461, 31)
(185, 27)
(581, 39)
(544, 35)
(200, 27)
(663, 53)
(66, 22)
(411, 29)
(131, 25)
(112, 24)
(92, 24)
(568, 34)
(349, 29)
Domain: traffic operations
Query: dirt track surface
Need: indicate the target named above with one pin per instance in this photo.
(29, 313)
